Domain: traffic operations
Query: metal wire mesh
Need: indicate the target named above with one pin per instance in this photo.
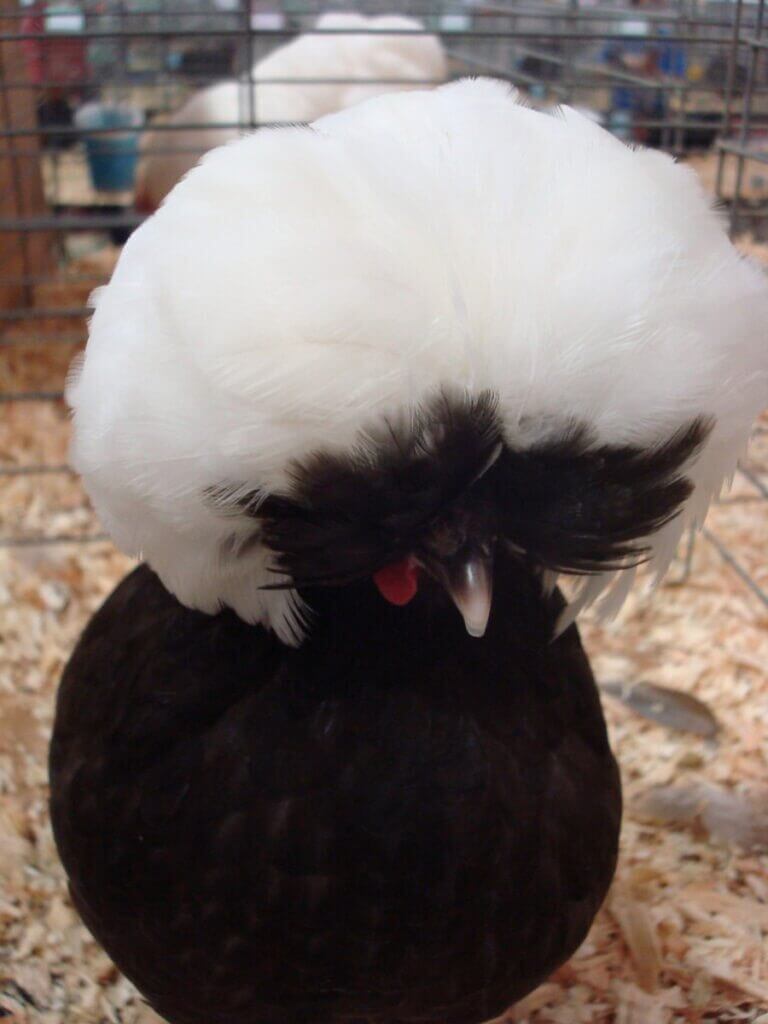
(682, 75)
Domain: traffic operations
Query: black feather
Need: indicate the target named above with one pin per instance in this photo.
(349, 513)
(579, 508)
(394, 824)
(569, 504)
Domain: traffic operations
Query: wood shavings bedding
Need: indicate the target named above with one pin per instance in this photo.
(36, 353)
(684, 934)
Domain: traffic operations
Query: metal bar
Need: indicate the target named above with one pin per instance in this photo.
(597, 13)
(45, 314)
(170, 128)
(744, 151)
(71, 223)
(544, 13)
(498, 71)
(65, 538)
(203, 80)
(166, 81)
(755, 480)
(33, 279)
(730, 85)
(166, 53)
(681, 97)
(539, 33)
(667, 82)
(598, 70)
(735, 565)
(746, 116)
(42, 470)
(760, 44)
(58, 339)
(570, 65)
(121, 70)
(172, 33)
(690, 548)
(32, 396)
(249, 59)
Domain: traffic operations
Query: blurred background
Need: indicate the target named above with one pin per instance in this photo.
(104, 105)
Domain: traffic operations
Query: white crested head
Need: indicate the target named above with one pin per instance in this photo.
(302, 284)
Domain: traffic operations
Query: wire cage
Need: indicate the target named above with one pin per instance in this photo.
(687, 76)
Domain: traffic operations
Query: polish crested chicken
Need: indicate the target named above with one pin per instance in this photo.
(357, 395)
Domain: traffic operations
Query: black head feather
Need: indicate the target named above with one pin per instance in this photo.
(568, 504)
(577, 507)
(349, 513)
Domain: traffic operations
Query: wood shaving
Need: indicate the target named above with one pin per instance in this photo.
(638, 930)
(672, 708)
(738, 816)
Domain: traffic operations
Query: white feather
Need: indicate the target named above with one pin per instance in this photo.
(302, 282)
(312, 75)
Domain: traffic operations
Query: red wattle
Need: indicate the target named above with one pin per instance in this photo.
(398, 582)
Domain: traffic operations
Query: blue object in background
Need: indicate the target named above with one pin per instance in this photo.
(620, 120)
(671, 56)
(111, 157)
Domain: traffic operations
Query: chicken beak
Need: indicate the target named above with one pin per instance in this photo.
(467, 577)
(469, 583)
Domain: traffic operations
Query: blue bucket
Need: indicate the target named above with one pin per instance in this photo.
(112, 156)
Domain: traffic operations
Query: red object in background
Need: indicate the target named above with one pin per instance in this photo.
(60, 60)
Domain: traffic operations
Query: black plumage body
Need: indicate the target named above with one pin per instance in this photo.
(394, 822)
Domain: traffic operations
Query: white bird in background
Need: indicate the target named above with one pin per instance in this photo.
(324, 73)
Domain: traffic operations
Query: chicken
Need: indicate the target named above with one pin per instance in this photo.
(308, 77)
(351, 385)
